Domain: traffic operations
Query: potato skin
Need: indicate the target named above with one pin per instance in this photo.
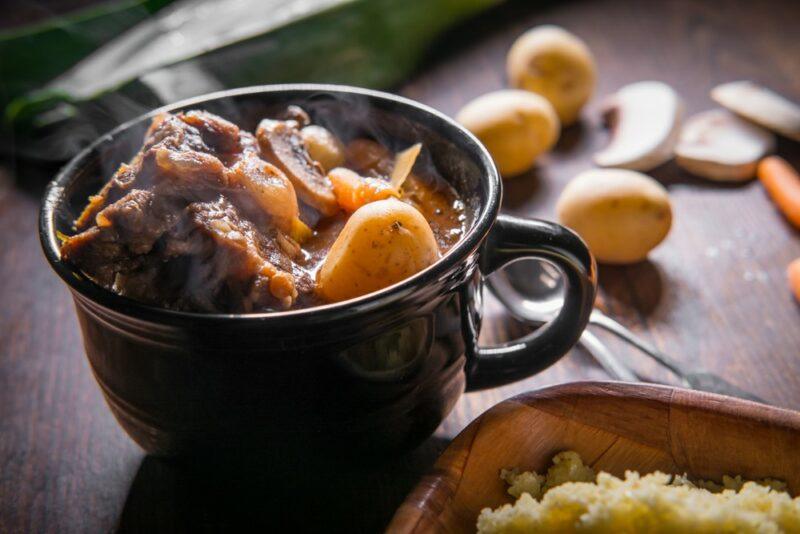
(515, 126)
(382, 243)
(622, 215)
(556, 64)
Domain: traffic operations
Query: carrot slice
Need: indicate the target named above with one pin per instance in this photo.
(793, 271)
(783, 185)
(353, 191)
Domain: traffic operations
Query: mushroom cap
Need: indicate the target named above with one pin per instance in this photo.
(760, 105)
(645, 121)
(718, 145)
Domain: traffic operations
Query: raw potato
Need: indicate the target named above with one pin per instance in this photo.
(556, 64)
(760, 105)
(515, 126)
(323, 147)
(718, 145)
(645, 121)
(621, 214)
(382, 243)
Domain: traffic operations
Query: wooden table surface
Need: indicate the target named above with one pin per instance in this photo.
(713, 294)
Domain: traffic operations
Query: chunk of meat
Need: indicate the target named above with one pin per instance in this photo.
(151, 281)
(121, 182)
(282, 144)
(97, 251)
(190, 168)
(221, 135)
(194, 130)
(196, 142)
(128, 228)
(139, 218)
(201, 257)
(169, 131)
(230, 256)
(196, 221)
(272, 191)
(369, 157)
(174, 145)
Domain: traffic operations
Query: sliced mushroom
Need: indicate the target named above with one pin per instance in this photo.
(718, 145)
(645, 122)
(760, 105)
(282, 144)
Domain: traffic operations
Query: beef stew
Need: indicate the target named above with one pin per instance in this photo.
(208, 217)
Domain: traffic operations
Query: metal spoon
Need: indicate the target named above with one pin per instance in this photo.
(531, 290)
(610, 364)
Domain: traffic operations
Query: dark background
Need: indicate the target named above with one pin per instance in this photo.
(714, 294)
(22, 12)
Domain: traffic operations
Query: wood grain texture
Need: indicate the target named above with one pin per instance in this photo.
(614, 427)
(713, 294)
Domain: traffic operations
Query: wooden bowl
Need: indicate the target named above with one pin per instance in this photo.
(613, 426)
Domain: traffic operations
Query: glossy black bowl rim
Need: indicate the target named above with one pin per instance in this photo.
(447, 127)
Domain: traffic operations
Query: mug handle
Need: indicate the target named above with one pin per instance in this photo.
(511, 239)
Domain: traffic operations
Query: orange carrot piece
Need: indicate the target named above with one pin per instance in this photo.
(353, 191)
(783, 184)
(793, 271)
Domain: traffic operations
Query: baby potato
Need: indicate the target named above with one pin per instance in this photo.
(515, 126)
(622, 215)
(556, 64)
(382, 243)
(323, 146)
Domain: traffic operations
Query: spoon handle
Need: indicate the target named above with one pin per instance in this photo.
(690, 378)
(612, 366)
(602, 320)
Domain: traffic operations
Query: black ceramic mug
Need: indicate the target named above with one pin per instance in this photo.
(374, 374)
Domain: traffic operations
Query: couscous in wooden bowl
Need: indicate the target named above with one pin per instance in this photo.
(613, 426)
